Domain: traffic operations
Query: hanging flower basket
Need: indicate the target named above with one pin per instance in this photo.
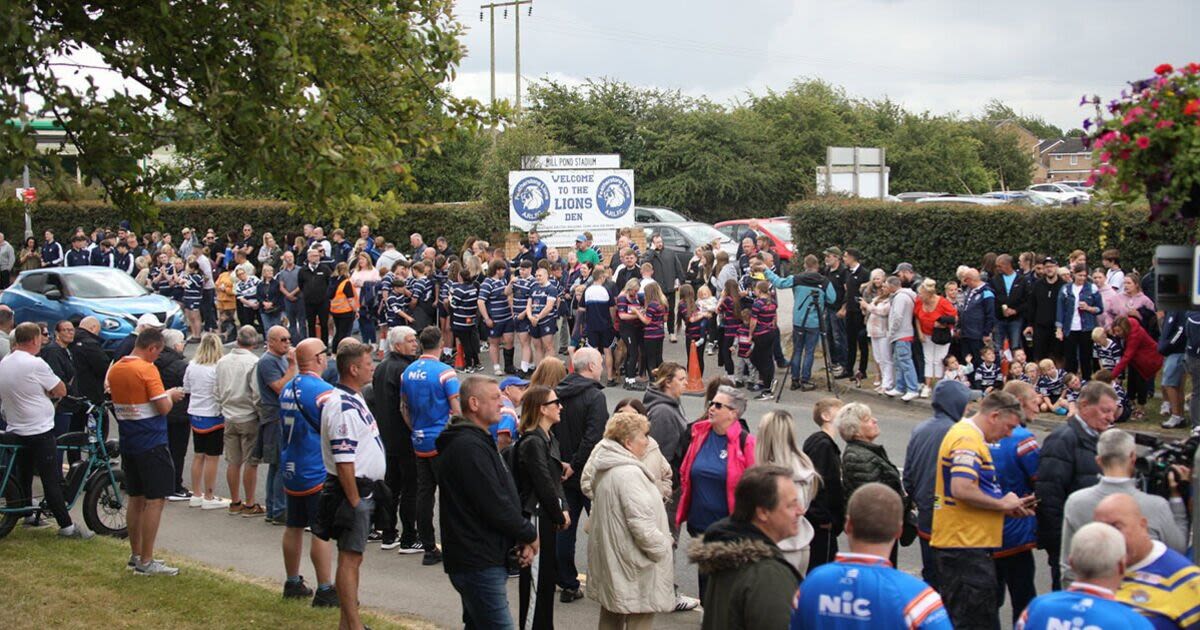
(1148, 142)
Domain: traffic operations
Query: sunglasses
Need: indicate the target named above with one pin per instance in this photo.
(719, 405)
(553, 402)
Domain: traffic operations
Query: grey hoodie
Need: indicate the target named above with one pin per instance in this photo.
(900, 318)
(921, 459)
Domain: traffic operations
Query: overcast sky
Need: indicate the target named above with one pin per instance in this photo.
(942, 56)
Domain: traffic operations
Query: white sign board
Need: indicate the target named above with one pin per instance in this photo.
(562, 204)
(558, 162)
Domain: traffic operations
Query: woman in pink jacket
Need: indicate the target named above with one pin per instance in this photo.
(1127, 301)
(719, 450)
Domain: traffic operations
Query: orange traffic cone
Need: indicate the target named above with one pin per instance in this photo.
(459, 357)
(695, 382)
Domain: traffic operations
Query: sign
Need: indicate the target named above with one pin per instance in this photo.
(562, 204)
(559, 162)
(28, 195)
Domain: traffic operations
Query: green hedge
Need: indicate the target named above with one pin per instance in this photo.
(937, 238)
(394, 221)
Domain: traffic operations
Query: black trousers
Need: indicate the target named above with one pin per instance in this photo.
(208, 309)
(1137, 386)
(178, 434)
(315, 314)
(401, 479)
(823, 548)
(725, 353)
(343, 325)
(653, 349)
(763, 357)
(426, 487)
(968, 581)
(857, 342)
(633, 350)
(1016, 573)
(1045, 344)
(547, 582)
(1053, 554)
(1077, 345)
(469, 339)
(671, 313)
(972, 348)
(40, 452)
(248, 317)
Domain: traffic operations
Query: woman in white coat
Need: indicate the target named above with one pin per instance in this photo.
(629, 547)
(777, 445)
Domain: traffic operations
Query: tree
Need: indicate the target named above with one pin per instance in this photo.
(996, 111)
(1010, 166)
(934, 153)
(313, 100)
(518, 140)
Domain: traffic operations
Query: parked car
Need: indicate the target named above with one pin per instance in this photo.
(909, 197)
(1022, 197)
(778, 229)
(110, 295)
(1078, 184)
(1061, 193)
(682, 239)
(650, 214)
(978, 201)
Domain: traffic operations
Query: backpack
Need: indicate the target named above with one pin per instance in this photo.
(1191, 330)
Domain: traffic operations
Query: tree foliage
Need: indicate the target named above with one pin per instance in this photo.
(307, 100)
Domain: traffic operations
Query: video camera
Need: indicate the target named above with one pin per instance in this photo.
(1153, 468)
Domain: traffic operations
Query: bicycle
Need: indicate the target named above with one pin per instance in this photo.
(95, 475)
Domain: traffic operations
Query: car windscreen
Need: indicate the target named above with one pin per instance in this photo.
(669, 216)
(703, 233)
(103, 284)
(781, 231)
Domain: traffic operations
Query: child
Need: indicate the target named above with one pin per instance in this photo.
(1049, 385)
(1124, 409)
(1018, 356)
(464, 309)
(630, 329)
(730, 310)
(654, 318)
(694, 321)
(1016, 371)
(707, 303)
(1107, 351)
(192, 291)
(647, 278)
(745, 344)
(952, 371)
(1065, 406)
(764, 332)
(987, 376)
(1032, 373)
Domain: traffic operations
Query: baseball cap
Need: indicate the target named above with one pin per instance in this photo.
(149, 320)
(833, 251)
(903, 267)
(510, 381)
(1049, 260)
(582, 238)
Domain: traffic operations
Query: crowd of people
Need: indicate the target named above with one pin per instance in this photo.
(369, 407)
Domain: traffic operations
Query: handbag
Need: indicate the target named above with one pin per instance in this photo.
(908, 533)
(941, 336)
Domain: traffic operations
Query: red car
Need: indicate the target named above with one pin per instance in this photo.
(778, 229)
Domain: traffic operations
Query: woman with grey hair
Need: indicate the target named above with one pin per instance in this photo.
(864, 461)
(777, 445)
(718, 452)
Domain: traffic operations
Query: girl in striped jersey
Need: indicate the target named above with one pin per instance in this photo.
(192, 292)
(695, 321)
(654, 317)
(628, 310)
(522, 285)
(729, 309)
(464, 311)
(764, 333)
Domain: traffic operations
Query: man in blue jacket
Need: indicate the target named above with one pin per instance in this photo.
(949, 403)
(977, 317)
(811, 294)
(1016, 460)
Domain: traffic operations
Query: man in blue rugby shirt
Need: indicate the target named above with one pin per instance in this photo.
(428, 397)
(861, 589)
(1016, 460)
(301, 401)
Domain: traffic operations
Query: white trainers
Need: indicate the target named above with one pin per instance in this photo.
(215, 503)
(1164, 408)
(1174, 422)
(909, 396)
(893, 392)
(924, 391)
(155, 568)
(196, 500)
(685, 603)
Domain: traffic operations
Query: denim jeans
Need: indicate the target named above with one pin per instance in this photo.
(296, 324)
(276, 502)
(484, 597)
(906, 372)
(1012, 331)
(270, 319)
(804, 345)
(837, 338)
(568, 574)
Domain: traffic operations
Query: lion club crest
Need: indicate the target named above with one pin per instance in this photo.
(613, 197)
(531, 198)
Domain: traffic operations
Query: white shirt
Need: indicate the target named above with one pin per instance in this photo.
(24, 381)
(1116, 279)
(1076, 322)
(349, 435)
(201, 382)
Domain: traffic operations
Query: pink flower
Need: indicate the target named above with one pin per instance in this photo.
(1192, 107)
(1164, 124)
(1143, 142)
(1164, 68)
(1106, 157)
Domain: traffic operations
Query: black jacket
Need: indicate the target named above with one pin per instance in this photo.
(396, 436)
(837, 277)
(91, 365)
(584, 414)
(539, 476)
(666, 268)
(829, 506)
(1067, 464)
(171, 368)
(667, 425)
(480, 510)
(1042, 304)
(60, 362)
(854, 282)
(1015, 299)
(866, 462)
(314, 284)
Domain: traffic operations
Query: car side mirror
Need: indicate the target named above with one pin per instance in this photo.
(53, 293)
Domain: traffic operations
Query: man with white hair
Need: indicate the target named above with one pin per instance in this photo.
(1098, 560)
(1116, 455)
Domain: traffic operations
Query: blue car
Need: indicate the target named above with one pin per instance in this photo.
(110, 295)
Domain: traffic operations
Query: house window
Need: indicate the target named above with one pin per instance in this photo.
(1074, 160)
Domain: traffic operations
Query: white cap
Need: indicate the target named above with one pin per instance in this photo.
(148, 320)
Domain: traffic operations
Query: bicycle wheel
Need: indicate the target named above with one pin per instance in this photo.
(12, 496)
(104, 505)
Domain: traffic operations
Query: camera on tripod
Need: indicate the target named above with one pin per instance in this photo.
(1154, 468)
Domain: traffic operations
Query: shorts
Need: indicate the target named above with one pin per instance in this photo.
(191, 305)
(499, 329)
(210, 443)
(1173, 370)
(239, 443)
(600, 339)
(968, 587)
(544, 329)
(149, 474)
(354, 537)
(521, 325)
(302, 510)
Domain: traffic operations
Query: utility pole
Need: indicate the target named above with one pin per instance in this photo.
(491, 7)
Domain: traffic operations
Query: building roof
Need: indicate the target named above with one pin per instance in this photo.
(1069, 144)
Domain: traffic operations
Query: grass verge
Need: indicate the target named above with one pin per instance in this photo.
(53, 583)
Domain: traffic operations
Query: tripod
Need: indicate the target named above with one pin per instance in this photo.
(814, 305)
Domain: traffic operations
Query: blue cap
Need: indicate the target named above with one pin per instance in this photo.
(582, 238)
(510, 381)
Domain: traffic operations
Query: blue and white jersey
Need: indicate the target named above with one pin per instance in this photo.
(1108, 355)
(426, 387)
(349, 435)
(1081, 607)
(78, 257)
(464, 304)
(1016, 460)
(521, 288)
(493, 295)
(386, 282)
(422, 290)
(301, 403)
(393, 306)
(860, 591)
(542, 295)
(596, 305)
(508, 421)
(193, 289)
